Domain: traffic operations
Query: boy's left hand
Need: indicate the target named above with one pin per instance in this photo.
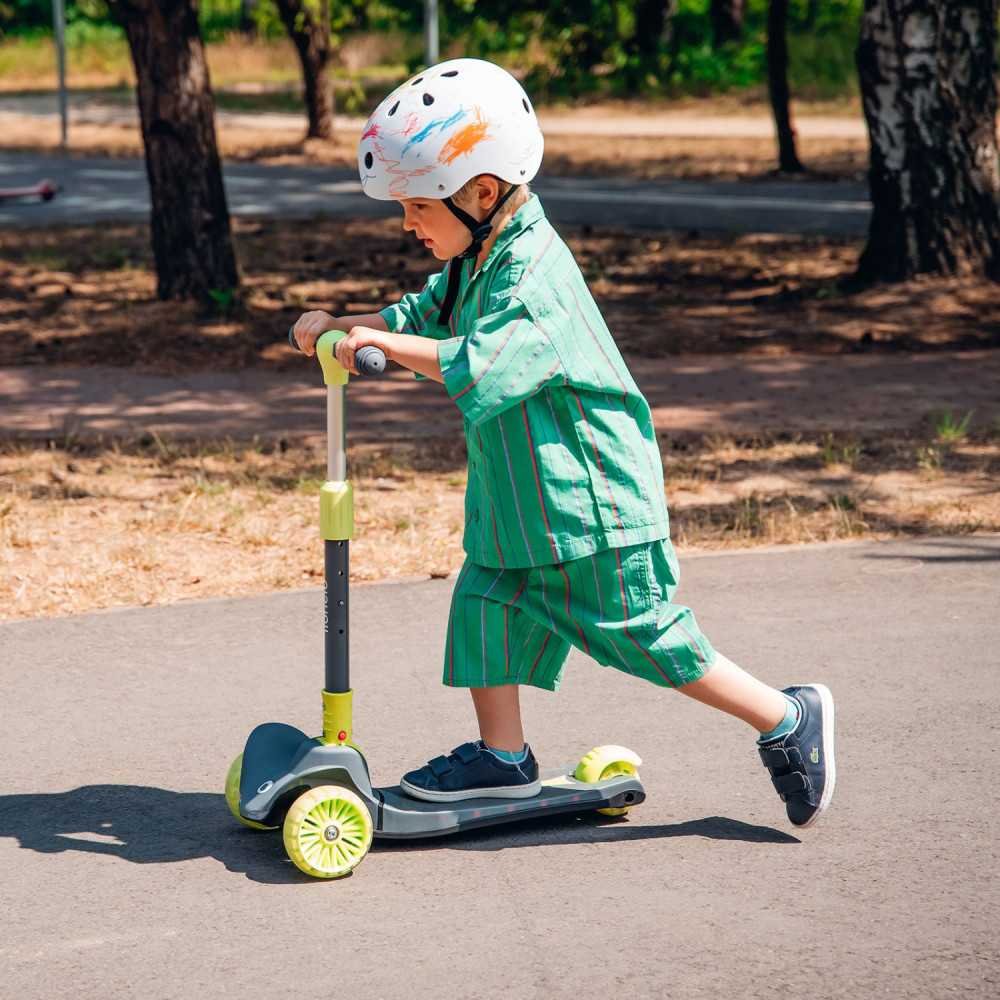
(358, 337)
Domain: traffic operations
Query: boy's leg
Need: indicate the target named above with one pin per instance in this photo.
(734, 691)
(796, 733)
(616, 605)
(492, 647)
(498, 710)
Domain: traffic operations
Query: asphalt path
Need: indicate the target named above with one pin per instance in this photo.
(98, 190)
(118, 107)
(122, 874)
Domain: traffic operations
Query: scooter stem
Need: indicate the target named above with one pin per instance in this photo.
(336, 528)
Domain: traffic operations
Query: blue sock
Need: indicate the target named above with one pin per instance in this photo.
(787, 724)
(510, 756)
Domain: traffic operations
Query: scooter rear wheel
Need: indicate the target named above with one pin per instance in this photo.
(606, 762)
(328, 831)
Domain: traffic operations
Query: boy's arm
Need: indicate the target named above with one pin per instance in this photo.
(419, 354)
(311, 325)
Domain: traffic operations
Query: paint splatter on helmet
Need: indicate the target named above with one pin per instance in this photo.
(446, 125)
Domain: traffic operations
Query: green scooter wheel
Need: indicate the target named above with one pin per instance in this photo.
(233, 795)
(328, 831)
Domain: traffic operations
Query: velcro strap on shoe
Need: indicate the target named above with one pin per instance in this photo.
(440, 766)
(792, 784)
(466, 753)
(778, 758)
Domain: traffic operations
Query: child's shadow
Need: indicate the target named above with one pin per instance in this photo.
(152, 825)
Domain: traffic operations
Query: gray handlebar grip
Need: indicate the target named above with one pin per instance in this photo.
(369, 360)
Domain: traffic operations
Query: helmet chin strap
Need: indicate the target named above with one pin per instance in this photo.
(480, 234)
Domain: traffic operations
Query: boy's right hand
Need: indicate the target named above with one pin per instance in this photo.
(308, 328)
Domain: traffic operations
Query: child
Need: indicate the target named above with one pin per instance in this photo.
(566, 529)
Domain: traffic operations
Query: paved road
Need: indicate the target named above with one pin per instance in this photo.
(95, 190)
(119, 108)
(122, 875)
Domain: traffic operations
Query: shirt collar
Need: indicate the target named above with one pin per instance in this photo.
(524, 218)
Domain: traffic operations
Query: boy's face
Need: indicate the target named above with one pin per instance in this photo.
(439, 230)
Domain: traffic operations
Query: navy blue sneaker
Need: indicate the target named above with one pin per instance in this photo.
(801, 763)
(471, 772)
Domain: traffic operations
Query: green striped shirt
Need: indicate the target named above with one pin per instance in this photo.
(563, 459)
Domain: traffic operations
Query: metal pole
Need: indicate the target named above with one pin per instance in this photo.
(336, 557)
(59, 19)
(431, 31)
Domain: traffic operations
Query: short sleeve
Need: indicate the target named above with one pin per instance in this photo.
(503, 360)
(416, 314)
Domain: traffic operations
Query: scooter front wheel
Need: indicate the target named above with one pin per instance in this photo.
(233, 795)
(328, 831)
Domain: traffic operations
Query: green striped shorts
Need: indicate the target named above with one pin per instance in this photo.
(516, 626)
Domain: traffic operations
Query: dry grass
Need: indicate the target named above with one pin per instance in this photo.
(84, 295)
(30, 64)
(85, 526)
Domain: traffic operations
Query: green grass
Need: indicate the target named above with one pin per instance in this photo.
(948, 429)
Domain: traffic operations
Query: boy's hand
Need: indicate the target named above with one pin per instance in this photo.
(358, 337)
(309, 326)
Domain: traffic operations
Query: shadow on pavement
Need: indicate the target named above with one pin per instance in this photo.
(153, 825)
(957, 550)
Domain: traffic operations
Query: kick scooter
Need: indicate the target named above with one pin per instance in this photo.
(43, 191)
(318, 789)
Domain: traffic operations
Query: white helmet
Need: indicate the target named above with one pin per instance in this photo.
(446, 125)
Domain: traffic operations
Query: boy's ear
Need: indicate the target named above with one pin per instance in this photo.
(488, 190)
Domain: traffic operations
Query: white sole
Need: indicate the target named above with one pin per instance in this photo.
(826, 700)
(505, 792)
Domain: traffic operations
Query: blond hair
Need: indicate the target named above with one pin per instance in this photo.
(467, 194)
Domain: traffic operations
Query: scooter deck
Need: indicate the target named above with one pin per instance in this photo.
(280, 762)
(400, 816)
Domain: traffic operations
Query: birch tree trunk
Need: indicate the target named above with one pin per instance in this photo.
(192, 243)
(308, 25)
(928, 84)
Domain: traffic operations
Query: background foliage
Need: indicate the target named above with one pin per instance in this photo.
(567, 48)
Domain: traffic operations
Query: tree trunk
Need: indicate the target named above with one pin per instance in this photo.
(192, 244)
(777, 85)
(727, 21)
(646, 46)
(308, 25)
(248, 26)
(928, 85)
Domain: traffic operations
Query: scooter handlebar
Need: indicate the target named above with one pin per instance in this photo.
(369, 360)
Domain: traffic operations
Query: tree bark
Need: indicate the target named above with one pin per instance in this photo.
(651, 20)
(248, 26)
(777, 85)
(308, 25)
(727, 21)
(192, 243)
(928, 86)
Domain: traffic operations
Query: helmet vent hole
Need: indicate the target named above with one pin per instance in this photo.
(369, 160)
(451, 72)
(440, 187)
(527, 106)
(428, 100)
(393, 109)
(415, 82)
